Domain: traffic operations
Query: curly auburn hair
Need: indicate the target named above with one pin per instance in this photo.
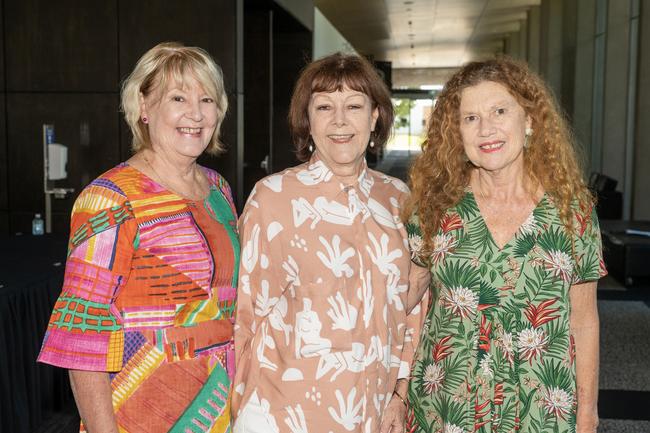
(441, 173)
(332, 73)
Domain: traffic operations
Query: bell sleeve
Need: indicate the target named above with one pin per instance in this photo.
(85, 330)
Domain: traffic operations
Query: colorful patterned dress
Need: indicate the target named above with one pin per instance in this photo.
(496, 354)
(321, 329)
(149, 296)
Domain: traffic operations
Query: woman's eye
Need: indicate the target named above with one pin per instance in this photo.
(177, 98)
(354, 107)
(208, 100)
(500, 111)
(470, 118)
(322, 107)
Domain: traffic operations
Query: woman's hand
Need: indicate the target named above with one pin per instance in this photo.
(587, 422)
(394, 419)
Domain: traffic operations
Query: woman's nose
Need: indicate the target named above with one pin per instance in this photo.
(339, 117)
(485, 127)
(194, 111)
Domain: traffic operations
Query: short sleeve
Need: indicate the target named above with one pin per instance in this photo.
(589, 264)
(85, 331)
(415, 240)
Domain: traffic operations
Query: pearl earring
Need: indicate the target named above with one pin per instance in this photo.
(529, 132)
(372, 144)
(311, 147)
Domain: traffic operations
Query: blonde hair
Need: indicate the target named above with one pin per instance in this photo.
(439, 176)
(162, 63)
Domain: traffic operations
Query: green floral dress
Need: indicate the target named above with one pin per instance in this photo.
(496, 354)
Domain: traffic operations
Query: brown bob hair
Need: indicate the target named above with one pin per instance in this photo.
(333, 73)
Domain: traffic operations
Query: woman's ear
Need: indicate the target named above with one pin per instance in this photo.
(375, 116)
(143, 106)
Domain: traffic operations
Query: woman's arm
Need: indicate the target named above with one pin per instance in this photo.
(92, 392)
(419, 279)
(585, 331)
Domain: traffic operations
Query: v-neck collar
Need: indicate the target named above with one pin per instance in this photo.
(470, 194)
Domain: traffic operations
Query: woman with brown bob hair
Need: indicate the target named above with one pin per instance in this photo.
(321, 330)
(502, 218)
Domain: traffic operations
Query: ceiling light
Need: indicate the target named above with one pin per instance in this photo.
(408, 2)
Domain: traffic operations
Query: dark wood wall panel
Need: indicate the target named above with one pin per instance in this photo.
(62, 45)
(207, 24)
(258, 39)
(292, 50)
(204, 23)
(4, 174)
(86, 123)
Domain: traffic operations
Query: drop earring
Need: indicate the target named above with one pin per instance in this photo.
(527, 134)
(311, 148)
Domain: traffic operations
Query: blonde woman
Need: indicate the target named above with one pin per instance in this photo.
(501, 216)
(144, 322)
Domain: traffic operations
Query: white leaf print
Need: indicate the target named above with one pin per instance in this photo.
(276, 319)
(343, 314)
(308, 327)
(381, 257)
(382, 215)
(296, 419)
(273, 229)
(293, 275)
(368, 426)
(401, 186)
(274, 183)
(250, 252)
(332, 212)
(348, 414)
(302, 211)
(336, 260)
(393, 290)
(366, 185)
(263, 303)
(245, 284)
(315, 174)
(365, 295)
(265, 341)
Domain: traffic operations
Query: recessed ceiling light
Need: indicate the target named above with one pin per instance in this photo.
(408, 2)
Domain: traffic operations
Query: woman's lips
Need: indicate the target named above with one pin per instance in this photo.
(340, 138)
(492, 146)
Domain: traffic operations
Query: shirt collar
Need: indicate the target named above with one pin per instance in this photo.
(316, 171)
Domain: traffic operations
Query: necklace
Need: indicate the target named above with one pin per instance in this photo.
(186, 195)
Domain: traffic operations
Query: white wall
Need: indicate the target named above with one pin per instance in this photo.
(327, 39)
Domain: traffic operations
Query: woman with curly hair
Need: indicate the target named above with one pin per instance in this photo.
(501, 216)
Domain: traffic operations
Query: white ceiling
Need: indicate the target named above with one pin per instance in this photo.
(426, 33)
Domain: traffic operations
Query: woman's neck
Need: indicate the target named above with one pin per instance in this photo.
(348, 173)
